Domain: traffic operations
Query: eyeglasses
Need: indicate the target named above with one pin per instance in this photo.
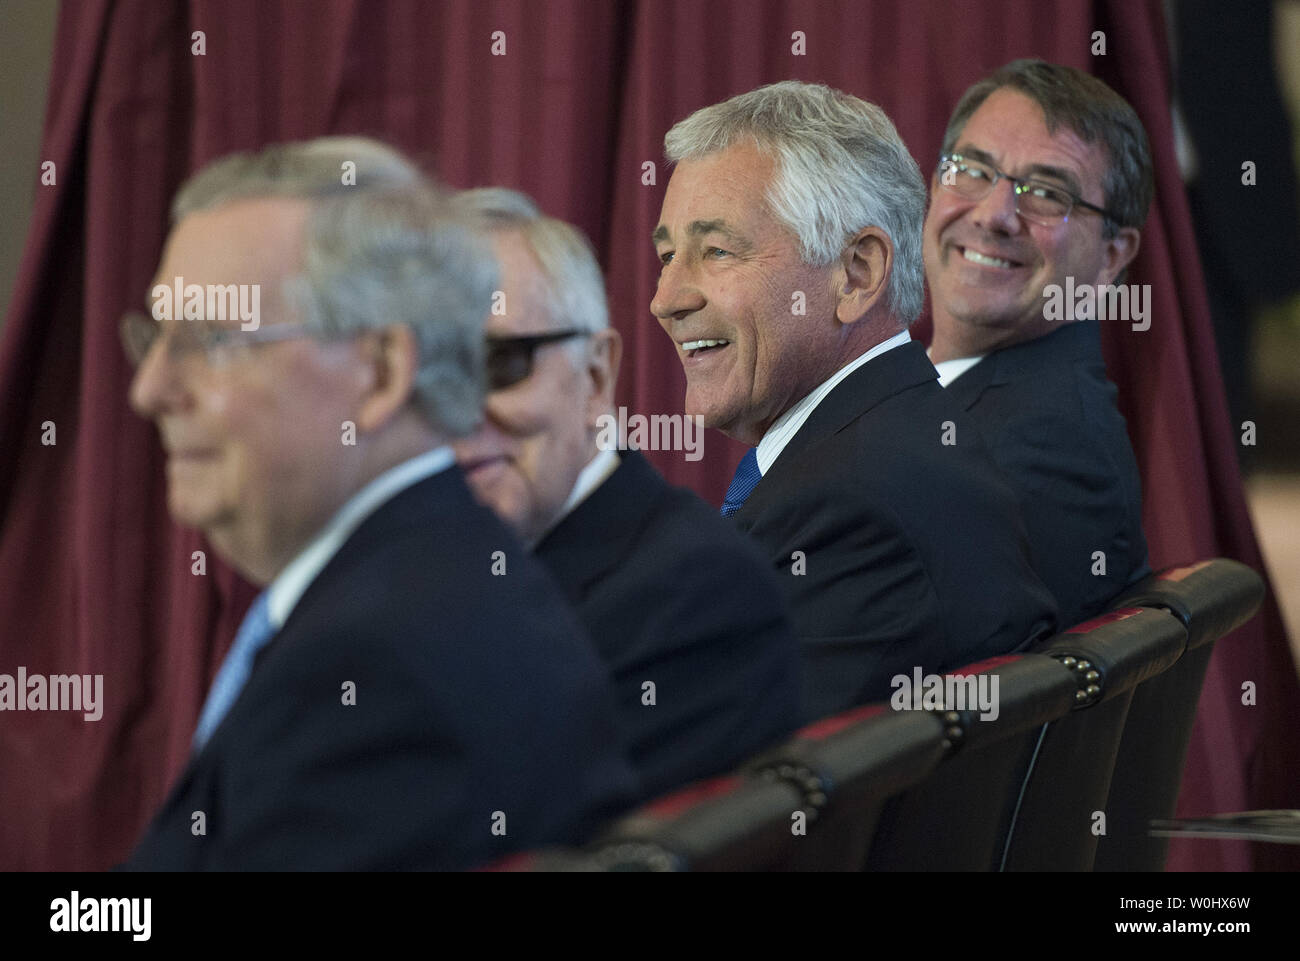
(510, 359)
(1037, 201)
(195, 338)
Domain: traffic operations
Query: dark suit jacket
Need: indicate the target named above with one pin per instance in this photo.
(1048, 414)
(474, 694)
(913, 550)
(670, 593)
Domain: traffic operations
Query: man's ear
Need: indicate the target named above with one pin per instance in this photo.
(604, 352)
(392, 356)
(867, 262)
(1119, 253)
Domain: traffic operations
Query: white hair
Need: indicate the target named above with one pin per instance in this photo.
(383, 249)
(307, 170)
(840, 167)
(574, 290)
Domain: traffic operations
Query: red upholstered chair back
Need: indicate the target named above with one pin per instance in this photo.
(737, 822)
(958, 817)
(1062, 802)
(846, 767)
(1210, 599)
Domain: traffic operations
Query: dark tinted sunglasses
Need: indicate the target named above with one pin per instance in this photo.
(510, 359)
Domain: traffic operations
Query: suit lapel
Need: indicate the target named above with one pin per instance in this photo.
(875, 381)
(970, 386)
(1074, 343)
(614, 511)
(437, 502)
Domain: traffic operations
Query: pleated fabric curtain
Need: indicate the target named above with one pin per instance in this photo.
(569, 101)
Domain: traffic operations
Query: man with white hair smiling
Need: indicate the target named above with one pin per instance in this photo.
(790, 245)
(409, 690)
(680, 607)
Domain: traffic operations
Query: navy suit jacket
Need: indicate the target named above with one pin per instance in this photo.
(1048, 414)
(475, 694)
(897, 550)
(670, 593)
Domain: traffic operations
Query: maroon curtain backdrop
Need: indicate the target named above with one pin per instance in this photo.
(93, 577)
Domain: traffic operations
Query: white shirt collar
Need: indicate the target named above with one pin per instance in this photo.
(292, 582)
(950, 370)
(788, 424)
(590, 477)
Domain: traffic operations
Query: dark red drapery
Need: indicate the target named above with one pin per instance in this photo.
(95, 579)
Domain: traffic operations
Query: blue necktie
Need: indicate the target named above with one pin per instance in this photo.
(253, 634)
(747, 477)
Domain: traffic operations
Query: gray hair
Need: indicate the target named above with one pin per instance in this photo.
(574, 288)
(307, 170)
(1095, 113)
(840, 167)
(383, 250)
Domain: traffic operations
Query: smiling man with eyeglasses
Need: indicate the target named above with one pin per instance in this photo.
(1043, 183)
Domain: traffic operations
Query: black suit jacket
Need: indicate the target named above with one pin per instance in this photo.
(1048, 414)
(670, 593)
(475, 694)
(912, 550)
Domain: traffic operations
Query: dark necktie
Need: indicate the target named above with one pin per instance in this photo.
(747, 477)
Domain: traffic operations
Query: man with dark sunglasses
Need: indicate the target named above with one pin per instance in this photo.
(681, 608)
(1043, 183)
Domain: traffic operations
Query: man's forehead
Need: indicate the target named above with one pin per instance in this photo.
(1009, 129)
(722, 191)
(242, 242)
(523, 284)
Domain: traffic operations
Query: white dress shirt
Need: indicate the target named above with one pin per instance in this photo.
(292, 582)
(788, 424)
(590, 477)
(950, 370)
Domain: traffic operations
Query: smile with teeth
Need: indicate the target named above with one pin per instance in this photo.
(701, 344)
(976, 257)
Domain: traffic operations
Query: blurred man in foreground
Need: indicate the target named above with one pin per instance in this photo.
(408, 691)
